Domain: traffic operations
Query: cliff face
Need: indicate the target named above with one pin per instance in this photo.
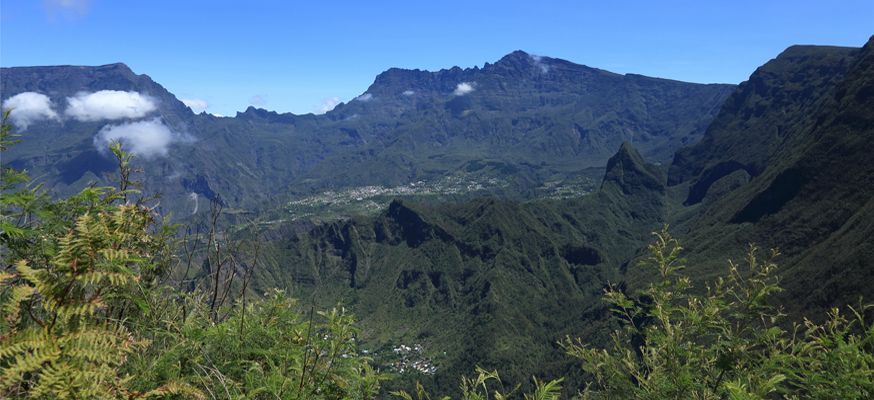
(790, 157)
(767, 113)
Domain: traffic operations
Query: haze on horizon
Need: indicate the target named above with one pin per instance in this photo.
(221, 57)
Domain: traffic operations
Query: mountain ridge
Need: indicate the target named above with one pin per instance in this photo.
(810, 185)
(562, 120)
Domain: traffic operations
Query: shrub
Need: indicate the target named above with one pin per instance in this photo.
(728, 343)
(487, 385)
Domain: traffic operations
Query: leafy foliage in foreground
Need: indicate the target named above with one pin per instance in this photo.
(727, 343)
(478, 389)
(267, 350)
(77, 265)
(86, 313)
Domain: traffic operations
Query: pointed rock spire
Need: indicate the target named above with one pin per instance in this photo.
(630, 173)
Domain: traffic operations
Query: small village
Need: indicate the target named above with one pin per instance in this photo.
(367, 200)
(371, 199)
(411, 359)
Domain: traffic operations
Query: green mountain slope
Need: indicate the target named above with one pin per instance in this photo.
(488, 282)
(791, 170)
(496, 283)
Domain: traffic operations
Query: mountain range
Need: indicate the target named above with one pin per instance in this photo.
(493, 282)
(499, 274)
(528, 122)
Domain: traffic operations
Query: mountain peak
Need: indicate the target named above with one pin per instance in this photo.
(409, 224)
(628, 171)
(399, 79)
(521, 62)
(117, 65)
(517, 55)
(626, 155)
(255, 113)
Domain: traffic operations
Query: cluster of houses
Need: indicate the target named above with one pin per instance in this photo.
(412, 359)
(374, 198)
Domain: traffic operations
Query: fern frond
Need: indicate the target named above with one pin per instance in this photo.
(23, 341)
(6, 276)
(29, 361)
(96, 278)
(12, 307)
(175, 388)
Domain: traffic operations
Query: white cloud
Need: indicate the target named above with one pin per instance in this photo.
(148, 139)
(409, 92)
(364, 97)
(538, 61)
(109, 104)
(328, 105)
(193, 197)
(29, 107)
(258, 101)
(463, 88)
(196, 105)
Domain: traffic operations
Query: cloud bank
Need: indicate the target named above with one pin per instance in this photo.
(147, 139)
(364, 97)
(328, 105)
(29, 107)
(109, 104)
(463, 88)
(196, 105)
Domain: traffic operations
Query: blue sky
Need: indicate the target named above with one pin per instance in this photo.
(295, 55)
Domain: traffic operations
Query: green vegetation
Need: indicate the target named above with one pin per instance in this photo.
(87, 312)
(477, 388)
(98, 300)
(486, 282)
(728, 343)
(786, 164)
